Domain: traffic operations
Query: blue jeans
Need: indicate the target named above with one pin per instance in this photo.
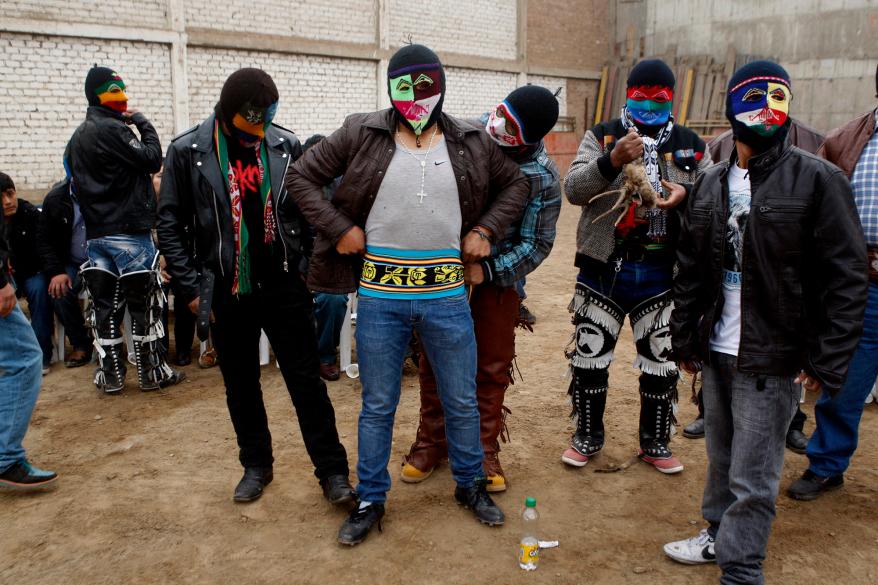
(519, 287)
(634, 283)
(838, 418)
(329, 311)
(20, 376)
(445, 327)
(122, 253)
(39, 305)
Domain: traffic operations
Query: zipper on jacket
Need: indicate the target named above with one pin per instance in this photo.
(219, 234)
(277, 216)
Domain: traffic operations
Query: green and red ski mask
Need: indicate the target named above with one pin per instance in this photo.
(416, 84)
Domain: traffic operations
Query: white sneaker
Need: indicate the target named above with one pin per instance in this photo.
(692, 551)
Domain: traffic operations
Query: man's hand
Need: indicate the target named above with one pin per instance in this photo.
(352, 242)
(59, 285)
(676, 195)
(128, 115)
(166, 276)
(473, 274)
(474, 247)
(808, 383)
(7, 300)
(627, 149)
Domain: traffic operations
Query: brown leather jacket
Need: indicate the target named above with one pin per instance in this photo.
(844, 145)
(492, 189)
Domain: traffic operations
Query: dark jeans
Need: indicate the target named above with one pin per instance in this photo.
(329, 310)
(69, 312)
(284, 311)
(745, 421)
(39, 305)
(633, 283)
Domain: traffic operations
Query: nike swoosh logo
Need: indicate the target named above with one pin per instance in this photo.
(707, 555)
(439, 162)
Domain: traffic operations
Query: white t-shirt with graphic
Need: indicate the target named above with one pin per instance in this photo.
(726, 336)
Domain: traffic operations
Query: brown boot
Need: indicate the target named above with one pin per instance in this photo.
(429, 447)
(495, 315)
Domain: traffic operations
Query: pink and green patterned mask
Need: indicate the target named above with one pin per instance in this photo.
(416, 93)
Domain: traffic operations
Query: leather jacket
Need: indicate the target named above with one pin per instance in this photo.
(491, 188)
(111, 171)
(56, 229)
(843, 146)
(195, 218)
(804, 280)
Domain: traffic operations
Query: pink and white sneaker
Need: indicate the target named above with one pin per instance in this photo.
(580, 451)
(665, 462)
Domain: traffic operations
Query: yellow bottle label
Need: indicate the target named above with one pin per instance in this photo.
(529, 554)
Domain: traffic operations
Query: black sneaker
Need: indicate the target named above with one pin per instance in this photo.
(476, 498)
(358, 524)
(337, 489)
(811, 486)
(525, 317)
(24, 477)
(253, 483)
(797, 441)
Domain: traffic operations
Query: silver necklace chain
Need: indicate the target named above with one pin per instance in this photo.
(420, 194)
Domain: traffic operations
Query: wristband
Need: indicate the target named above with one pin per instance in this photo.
(481, 233)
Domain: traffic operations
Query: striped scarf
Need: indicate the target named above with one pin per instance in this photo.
(241, 283)
(656, 217)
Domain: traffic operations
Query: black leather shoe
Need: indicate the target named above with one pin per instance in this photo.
(797, 442)
(358, 524)
(695, 429)
(337, 489)
(811, 486)
(253, 483)
(476, 498)
(183, 359)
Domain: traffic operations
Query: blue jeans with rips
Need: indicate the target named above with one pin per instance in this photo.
(838, 417)
(122, 253)
(329, 311)
(20, 376)
(445, 328)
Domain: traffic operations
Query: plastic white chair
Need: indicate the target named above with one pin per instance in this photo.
(345, 344)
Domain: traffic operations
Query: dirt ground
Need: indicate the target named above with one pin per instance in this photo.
(146, 484)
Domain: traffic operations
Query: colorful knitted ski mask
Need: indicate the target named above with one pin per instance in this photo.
(524, 117)
(416, 84)
(104, 87)
(650, 93)
(247, 104)
(758, 104)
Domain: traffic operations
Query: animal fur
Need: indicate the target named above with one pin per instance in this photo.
(635, 188)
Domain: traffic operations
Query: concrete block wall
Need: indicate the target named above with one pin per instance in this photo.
(42, 98)
(327, 57)
(316, 93)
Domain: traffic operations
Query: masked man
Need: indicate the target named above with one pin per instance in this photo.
(422, 193)
(626, 259)
(110, 169)
(770, 293)
(223, 179)
(518, 125)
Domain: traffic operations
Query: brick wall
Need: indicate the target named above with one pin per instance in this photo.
(149, 13)
(472, 92)
(351, 21)
(485, 28)
(42, 100)
(316, 93)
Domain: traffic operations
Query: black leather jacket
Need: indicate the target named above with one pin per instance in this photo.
(194, 196)
(804, 278)
(111, 171)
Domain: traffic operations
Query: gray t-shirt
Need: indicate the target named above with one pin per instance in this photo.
(399, 219)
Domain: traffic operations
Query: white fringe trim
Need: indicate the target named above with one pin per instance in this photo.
(648, 366)
(652, 321)
(592, 363)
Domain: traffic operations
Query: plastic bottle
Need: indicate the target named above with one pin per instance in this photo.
(529, 547)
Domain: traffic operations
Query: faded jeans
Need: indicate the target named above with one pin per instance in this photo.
(445, 328)
(745, 420)
(20, 377)
(122, 253)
